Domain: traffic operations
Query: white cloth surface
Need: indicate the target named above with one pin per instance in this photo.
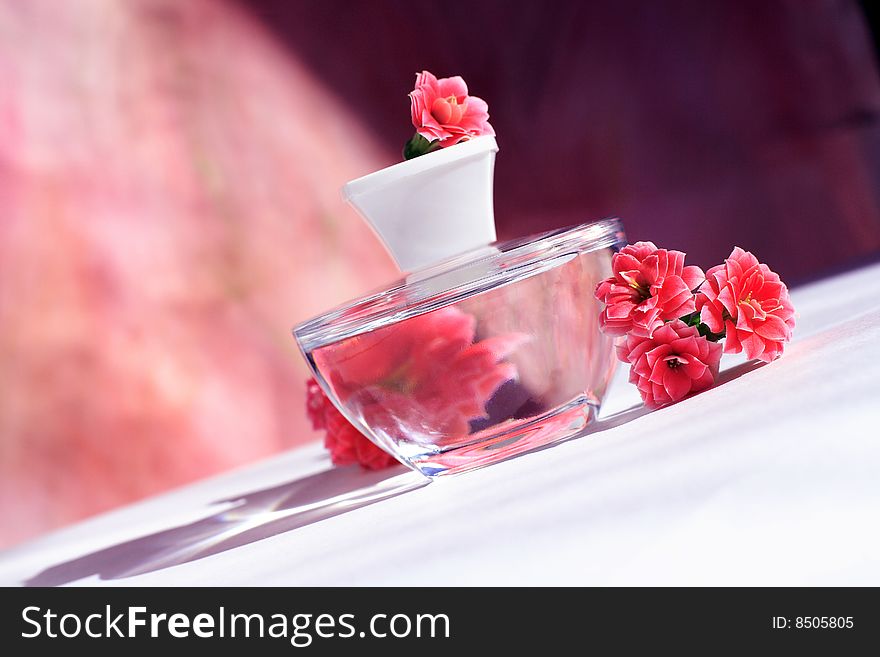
(771, 478)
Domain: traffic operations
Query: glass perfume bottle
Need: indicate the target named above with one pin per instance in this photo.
(483, 355)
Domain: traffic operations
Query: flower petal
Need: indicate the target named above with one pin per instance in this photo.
(454, 86)
(773, 328)
(676, 383)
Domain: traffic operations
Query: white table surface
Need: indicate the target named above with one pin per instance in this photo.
(772, 478)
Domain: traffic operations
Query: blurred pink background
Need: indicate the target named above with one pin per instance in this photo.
(170, 174)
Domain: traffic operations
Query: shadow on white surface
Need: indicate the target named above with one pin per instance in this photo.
(261, 514)
(634, 412)
(251, 517)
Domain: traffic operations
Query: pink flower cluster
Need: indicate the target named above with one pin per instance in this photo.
(346, 444)
(747, 302)
(443, 111)
(674, 316)
(649, 286)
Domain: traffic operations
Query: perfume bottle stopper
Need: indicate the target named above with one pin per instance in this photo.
(432, 207)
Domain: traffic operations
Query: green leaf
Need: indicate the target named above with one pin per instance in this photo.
(691, 320)
(417, 146)
(703, 330)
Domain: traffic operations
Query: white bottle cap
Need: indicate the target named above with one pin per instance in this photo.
(431, 207)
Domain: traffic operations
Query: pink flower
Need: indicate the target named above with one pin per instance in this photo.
(425, 372)
(671, 364)
(442, 110)
(746, 300)
(346, 444)
(316, 404)
(649, 286)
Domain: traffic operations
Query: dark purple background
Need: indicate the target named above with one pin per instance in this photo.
(701, 124)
